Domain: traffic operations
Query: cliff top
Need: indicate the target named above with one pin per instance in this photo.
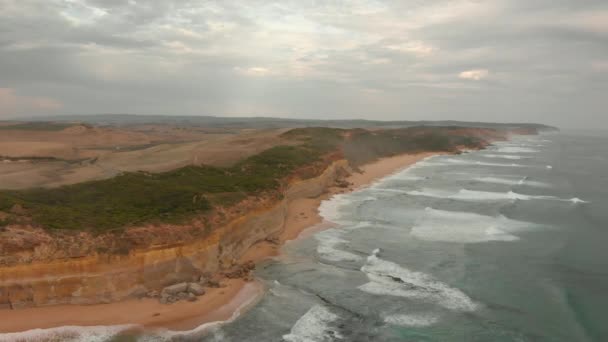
(133, 198)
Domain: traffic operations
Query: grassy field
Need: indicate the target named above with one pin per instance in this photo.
(178, 195)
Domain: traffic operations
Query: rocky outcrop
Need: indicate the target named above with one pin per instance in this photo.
(181, 291)
(81, 275)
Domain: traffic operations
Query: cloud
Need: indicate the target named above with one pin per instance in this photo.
(254, 71)
(595, 22)
(475, 74)
(12, 104)
(417, 48)
(601, 66)
(384, 59)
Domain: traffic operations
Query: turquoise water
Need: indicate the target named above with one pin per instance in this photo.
(505, 244)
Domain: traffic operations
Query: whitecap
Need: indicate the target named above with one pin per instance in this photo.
(426, 193)
(472, 195)
(511, 181)
(461, 227)
(516, 149)
(314, 326)
(480, 163)
(390, 279)
(498, 180)
(411, 320)
(438, 225)
(69, 333)
(328, 241)
(503, 156)
(330, 209)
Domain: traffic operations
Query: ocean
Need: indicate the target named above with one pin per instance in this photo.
(504, 244)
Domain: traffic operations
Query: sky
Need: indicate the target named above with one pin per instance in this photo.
(497, 60)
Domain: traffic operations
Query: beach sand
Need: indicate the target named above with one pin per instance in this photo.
(218, 304)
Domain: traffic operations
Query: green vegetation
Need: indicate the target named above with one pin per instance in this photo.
(361, 146)
(37, 126)
(175, 196)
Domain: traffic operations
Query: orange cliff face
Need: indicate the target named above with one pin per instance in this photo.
(38, 269)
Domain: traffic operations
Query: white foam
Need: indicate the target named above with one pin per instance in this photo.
(577, 200)
(411, 320)
(497, 180)
(473, 162)
(472, 195)
(516, 149)
(422, 164)
(503, 156)
(427, 193)
(447, 226)
(511, 181)
(314, 326)
(389, 190)
(69, 333)
(328, 241)
(389, 279)
(549, 167)
(401, 177)
(330, 209)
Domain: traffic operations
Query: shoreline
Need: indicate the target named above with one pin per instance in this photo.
(218, 304)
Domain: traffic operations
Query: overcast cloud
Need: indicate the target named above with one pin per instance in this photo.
(496, 60)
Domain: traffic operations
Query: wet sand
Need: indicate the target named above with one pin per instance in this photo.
(218, 304)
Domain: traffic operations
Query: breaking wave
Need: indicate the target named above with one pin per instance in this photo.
(389, 279)
(472, 195)
(330, 209)
(69, 333)
(504, 156)
(447, 226)
(511, 181)
(516, 149)
(454, 161)
(328, 240)
(314, 326)
(411, 320)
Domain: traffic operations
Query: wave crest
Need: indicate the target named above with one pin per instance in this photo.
(389, 279)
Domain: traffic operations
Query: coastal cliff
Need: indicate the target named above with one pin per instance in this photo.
(101, 278)
(51, 252)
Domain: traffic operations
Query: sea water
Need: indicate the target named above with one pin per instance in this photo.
(505, 244)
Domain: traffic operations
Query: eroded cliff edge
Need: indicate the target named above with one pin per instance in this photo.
(99, 278)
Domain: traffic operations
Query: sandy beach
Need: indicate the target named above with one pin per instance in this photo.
(218, 304)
